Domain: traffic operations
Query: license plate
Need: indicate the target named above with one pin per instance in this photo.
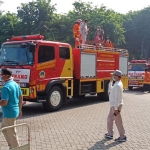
(25, 91)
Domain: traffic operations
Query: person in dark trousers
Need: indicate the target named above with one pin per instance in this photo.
(11, 102)
(146, 85)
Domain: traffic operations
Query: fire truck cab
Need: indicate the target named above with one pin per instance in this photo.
(136, 70)
(50, 72)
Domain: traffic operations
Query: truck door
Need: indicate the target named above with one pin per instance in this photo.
(64, 65)
(46, 67)
(123, 67)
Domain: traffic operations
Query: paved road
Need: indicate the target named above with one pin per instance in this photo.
(81, 125)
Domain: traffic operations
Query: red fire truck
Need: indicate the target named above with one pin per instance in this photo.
(136, 70)
(50, 72)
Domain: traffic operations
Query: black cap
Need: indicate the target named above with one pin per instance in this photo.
(6, 71)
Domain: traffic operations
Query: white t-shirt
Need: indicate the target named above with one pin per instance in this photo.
(116, 94)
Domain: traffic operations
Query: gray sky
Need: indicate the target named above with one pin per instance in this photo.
(63, 6)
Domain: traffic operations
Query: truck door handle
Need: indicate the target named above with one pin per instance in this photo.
(53, 68)
(69, 68)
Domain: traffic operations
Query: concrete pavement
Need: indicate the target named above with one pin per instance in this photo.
(81, 125)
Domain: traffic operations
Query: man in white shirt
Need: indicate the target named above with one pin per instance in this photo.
(84, 31)
(116, 102)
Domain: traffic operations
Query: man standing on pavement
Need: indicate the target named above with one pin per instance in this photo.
(116, 102)
(11, 102)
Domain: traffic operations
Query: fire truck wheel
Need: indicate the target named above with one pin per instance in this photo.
(105, 94)
(54, 99)
(130, 87)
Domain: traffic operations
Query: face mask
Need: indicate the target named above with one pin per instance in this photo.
(113, 78)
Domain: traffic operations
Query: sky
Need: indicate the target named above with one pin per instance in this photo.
(63, 6)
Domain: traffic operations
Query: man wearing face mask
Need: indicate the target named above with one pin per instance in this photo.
(116, 103)
(99, 35)
(111, 83)
(84, 31)
(11, 102)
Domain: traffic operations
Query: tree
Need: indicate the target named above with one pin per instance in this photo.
(34, 15)
(109, 20)
(137, 33)
(8, 26)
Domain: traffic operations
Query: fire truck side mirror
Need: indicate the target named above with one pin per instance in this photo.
(32, 47)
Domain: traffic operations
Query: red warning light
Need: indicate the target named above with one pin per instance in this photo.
(27, 37)
(138, 61)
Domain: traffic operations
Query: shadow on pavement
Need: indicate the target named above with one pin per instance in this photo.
(101, 145)
(37, 109)
(135, 91)
(80, 102)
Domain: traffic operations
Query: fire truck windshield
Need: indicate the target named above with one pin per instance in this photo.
(16, 54)
(137, 67)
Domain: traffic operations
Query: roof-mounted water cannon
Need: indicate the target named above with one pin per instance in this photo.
(27, 37)
(50, 31)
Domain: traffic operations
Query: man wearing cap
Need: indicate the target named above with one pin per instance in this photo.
(76, 33)
(116, 102)
(11, 102)
(84, 31)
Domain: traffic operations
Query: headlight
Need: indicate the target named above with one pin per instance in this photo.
(31, 90)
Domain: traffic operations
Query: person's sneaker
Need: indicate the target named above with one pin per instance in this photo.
(121, 139)
(108, 136)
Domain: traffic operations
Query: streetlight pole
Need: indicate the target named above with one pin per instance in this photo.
(50, 31)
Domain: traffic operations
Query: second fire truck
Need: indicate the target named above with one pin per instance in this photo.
(136, 70)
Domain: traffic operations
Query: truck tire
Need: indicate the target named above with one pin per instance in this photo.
(100, 96)
(105, 94)
(54, 99)
(130, 87)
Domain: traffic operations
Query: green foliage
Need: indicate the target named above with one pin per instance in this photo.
(34, 15)
(110, 21)
(137, 33)
(8, 26)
